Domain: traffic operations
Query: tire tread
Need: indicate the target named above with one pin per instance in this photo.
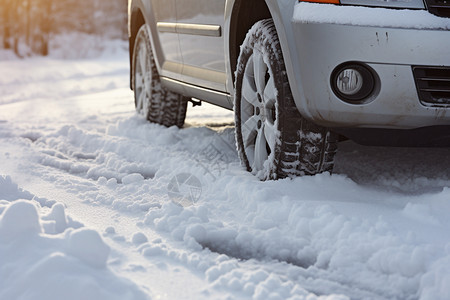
(166, 107)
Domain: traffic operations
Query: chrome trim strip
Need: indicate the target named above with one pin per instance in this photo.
(197, 29)
(194, 29)
(167, 27)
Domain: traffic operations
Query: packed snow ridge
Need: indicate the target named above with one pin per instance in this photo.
(47, 255)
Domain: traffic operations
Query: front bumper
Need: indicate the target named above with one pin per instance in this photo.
(327, 36)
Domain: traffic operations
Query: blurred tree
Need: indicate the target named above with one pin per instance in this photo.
(27, 25)
(6, 15)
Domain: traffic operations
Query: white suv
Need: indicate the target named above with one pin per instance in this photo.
(298, 74)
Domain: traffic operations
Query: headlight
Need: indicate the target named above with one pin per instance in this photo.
(418, 4)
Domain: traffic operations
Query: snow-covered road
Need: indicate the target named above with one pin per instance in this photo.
(105, 220)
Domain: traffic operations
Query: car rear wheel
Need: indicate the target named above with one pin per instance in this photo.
(152, 100)
(273, 139)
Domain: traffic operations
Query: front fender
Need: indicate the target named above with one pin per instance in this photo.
(282, 13)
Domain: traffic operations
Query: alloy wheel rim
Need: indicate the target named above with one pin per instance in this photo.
(142, 80)
(258, 112)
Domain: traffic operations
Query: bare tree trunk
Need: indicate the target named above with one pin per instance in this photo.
(46, 25)
(27, 24)
(15, 24)
(6, 10)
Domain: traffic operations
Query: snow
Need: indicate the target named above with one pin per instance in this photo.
(39, 263)
(368, 16)
(75, 45)
(86, 210)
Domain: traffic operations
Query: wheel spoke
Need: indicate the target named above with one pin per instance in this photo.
(147, 86)
(145, 104)
(142, 60)
(270, 135)
(249, 129)
(261, 154)
(270, 90)
(260, 70)
(138, 80)
(249, 90)
(141, 99)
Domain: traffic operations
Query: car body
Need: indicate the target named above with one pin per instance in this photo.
(399, 46)
(394, 54)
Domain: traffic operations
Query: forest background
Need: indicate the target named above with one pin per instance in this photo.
(33, 27)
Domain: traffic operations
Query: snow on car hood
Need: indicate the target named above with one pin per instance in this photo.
(368, 16)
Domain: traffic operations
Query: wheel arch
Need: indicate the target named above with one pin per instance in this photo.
(136, 20)
(140, 13)
(241, 15)
(244, 14)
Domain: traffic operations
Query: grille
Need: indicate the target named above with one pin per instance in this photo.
(439, 8)
(433, 85)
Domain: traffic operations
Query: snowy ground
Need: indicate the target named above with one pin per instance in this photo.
(100, 215)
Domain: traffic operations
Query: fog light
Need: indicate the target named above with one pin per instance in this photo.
(353, 82)
(349, 81)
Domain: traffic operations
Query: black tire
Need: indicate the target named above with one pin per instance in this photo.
(152, 100)
(300, 147)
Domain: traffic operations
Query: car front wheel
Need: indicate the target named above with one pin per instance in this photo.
(273, 139)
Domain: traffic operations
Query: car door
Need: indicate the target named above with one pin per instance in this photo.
(168, 54)
(200, 29)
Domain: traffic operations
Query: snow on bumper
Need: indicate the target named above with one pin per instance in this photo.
(389, 41)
